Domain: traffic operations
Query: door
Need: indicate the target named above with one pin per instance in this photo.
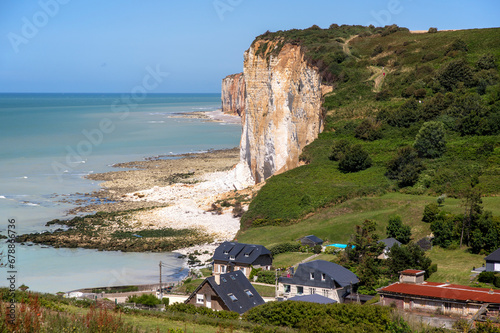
(209, 301)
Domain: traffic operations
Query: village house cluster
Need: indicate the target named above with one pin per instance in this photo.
(324, 282)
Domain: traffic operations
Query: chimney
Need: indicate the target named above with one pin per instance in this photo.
(217, 278)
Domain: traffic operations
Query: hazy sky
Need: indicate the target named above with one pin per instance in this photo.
(115, 45)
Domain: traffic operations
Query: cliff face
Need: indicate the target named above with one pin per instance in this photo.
(283, 108)
(233, 94)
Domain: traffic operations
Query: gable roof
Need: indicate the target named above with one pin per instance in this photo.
(389, 242)
(445, 291)
(314, 298)
(494, 256)
(341, 275)
(242, 253)
(313, 239)
(232, 286)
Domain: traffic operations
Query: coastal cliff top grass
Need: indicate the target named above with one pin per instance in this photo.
(387, 83)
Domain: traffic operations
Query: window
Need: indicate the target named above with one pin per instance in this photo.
(231, 257)
(286, 288)
(300, 290)
(312, 291)
(311, 275)
(226, 252)
(326, 292)
(232, 277)
(200, 299)
(323, 276)
(222, 268)
(249, 293)
(232, 297)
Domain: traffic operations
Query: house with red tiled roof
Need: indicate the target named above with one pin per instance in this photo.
(414, 294)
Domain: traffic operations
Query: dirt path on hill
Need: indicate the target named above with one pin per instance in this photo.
(377, 77)
(345, 47)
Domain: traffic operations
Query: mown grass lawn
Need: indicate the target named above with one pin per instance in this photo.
(265, 291)
(454, 265)
(289, 259)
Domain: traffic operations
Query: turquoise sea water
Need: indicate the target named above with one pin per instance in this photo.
(48, 142)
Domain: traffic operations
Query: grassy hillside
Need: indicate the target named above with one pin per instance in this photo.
(387, 83)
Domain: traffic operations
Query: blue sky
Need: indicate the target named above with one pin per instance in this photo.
(107, 46)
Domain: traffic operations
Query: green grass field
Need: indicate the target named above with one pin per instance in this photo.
(336, 224)
(454, 265)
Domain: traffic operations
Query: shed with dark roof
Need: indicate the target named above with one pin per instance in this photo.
(230, 291)
(311, 240)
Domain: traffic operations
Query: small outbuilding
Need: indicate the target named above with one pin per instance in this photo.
(493, 261)
(311, 241)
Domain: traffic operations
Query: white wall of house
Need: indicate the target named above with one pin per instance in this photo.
(291, 290)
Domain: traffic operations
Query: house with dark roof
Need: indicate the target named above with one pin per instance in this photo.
(232, 256)
(311, 241)
(493, 261)
(230, 292)
(318, 277)
(389, 243)
(412, 293)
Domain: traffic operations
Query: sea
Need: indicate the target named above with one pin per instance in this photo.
(50, 142)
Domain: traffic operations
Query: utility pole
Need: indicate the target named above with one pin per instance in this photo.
(161, 289)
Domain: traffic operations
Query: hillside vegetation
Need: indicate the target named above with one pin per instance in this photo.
(417, 114)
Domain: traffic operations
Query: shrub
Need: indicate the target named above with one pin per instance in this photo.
(146, 299)
(431, 211)
(454, 72)
(486, 277)
(405, 167)
(338, 149)
(355, 159)
(284, 248)
(487, 61)
(317, 249)
(268, 277)
(378, 49)
(430, 141)
(369, 129)
(432, 30)
(457, 45)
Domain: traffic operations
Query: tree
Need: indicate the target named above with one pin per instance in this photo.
(396, 229)
(430, 141)
(471, 201)
(355, 159)
(338, 149)
(405, 167)
(408, 257)
(362, 251)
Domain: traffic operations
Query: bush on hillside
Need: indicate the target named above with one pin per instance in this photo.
(455, 72)
(405, 167)
(431, 211)
(369, 129)
(432, 30)
(487, 61)
(355, 159)
(284, 248)
(430, 141)
(338, 149)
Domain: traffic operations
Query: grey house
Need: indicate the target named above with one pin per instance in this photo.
(311, 241)
(493, 261)
(318, 277)
(389, 243)
(232, 256)
(230, 292)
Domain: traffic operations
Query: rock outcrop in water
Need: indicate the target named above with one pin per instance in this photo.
(233, 94)
(283, 110)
